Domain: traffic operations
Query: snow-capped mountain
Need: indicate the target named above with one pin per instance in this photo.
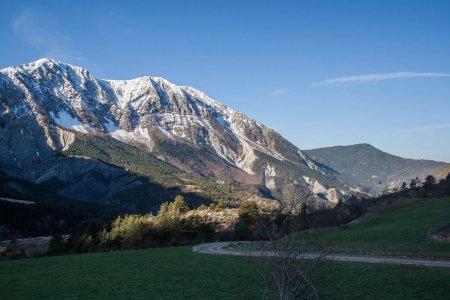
(45, 106)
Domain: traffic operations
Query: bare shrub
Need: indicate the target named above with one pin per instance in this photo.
(287, 262)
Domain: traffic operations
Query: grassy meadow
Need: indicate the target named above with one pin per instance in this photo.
(178, 273)
(402, 228)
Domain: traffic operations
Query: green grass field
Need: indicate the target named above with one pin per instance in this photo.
(400, 229)
(178, 273)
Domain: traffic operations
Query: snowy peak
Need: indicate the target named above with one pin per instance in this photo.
(75, 100)
(43, 66)
(147, 111)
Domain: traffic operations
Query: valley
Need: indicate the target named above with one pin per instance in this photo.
(178, 272)
(274, 150)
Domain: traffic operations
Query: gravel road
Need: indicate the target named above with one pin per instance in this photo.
(223, 248)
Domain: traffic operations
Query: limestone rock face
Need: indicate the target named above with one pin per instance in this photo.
(46, 105)
(334, 195)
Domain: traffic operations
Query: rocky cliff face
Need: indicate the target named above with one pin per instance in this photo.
(47, 105)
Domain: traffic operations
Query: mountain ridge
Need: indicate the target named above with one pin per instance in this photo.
(373, 147)
(372, 169)
(47, 108)
(49, 105)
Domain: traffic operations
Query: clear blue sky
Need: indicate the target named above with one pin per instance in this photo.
(276, 61)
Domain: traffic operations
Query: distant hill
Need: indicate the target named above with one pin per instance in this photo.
(371, 169)
(442, 172)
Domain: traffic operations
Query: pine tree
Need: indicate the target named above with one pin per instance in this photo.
(430, 181)
(179, 205)
(403, 187)
(414, 183)
(221, 205)
(202, 207)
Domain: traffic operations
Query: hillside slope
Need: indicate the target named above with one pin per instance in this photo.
(370, 169)
(404, 227)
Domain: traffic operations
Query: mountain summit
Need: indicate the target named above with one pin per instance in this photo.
(370, 169)
(48, 107)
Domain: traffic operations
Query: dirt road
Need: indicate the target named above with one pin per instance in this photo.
(16, 201)
(223, 248)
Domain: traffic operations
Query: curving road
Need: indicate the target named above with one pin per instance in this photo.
(16, 201)
(223, 248)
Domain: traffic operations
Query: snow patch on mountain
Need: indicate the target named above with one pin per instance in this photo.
(65, 120)
(147, 110)
(111, 127)
(138, 135)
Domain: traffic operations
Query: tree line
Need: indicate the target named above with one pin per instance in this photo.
(429, 187)
(178, 224)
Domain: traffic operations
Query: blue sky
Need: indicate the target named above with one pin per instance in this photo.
(322, 73)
